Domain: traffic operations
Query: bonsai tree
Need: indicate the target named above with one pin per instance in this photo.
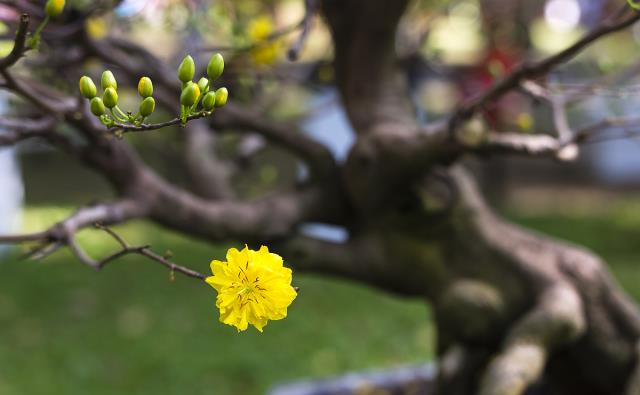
(514, 309)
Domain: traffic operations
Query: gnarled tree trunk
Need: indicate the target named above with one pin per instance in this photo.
(513, 308)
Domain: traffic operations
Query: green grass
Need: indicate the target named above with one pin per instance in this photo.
(128, 329)
(68, 330)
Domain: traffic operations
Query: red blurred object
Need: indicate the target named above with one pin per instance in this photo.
(481, 77)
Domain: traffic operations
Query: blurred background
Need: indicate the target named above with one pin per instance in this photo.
(133, 329)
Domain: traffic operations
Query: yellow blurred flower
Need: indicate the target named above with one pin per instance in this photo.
(524, 121)
(253, 287)
(265, 52)
(96, 27)
(260, 28)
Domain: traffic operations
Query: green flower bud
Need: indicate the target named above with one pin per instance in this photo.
(87, 87)
(215, 66)
(97, 107)
(209, 101)
(108, 80)
(221, 97)
(147, 106)
(145, 87)
(190, 94)
(187, 69)
(110, 97)
(202, 84)
(53, 8)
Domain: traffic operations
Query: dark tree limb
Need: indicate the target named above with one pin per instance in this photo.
(19, 48)
(22, 129)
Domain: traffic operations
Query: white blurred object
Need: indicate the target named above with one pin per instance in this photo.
(11, 192)
(11, 188)
(562, 15)
(329, 126)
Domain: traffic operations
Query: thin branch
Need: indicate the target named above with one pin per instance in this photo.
(54, 105)
(125, 128)
(19, 47)
(310, 9)
(44, 250)
(144, 251)
(530, 145)
(546, 145)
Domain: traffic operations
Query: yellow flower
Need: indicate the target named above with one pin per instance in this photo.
(265, 52)
(253, 287)
(96, 27)
(260, 28)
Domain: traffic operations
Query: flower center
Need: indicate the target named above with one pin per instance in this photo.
(248, 288)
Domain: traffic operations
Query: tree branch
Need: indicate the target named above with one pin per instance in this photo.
(145, 252)
(285, 135)
(57, 104)
(548, 146)
(22, 129)
(536, 69)
(19, 48)
(127, 128)
(63, 233)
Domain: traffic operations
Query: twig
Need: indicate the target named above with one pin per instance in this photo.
(154, 126)
(19, 44)
(310, 9)
(546, 145)
(144, 251)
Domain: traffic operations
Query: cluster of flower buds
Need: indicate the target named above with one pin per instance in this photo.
(201, 92)
(109, 100)
(192, 96)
